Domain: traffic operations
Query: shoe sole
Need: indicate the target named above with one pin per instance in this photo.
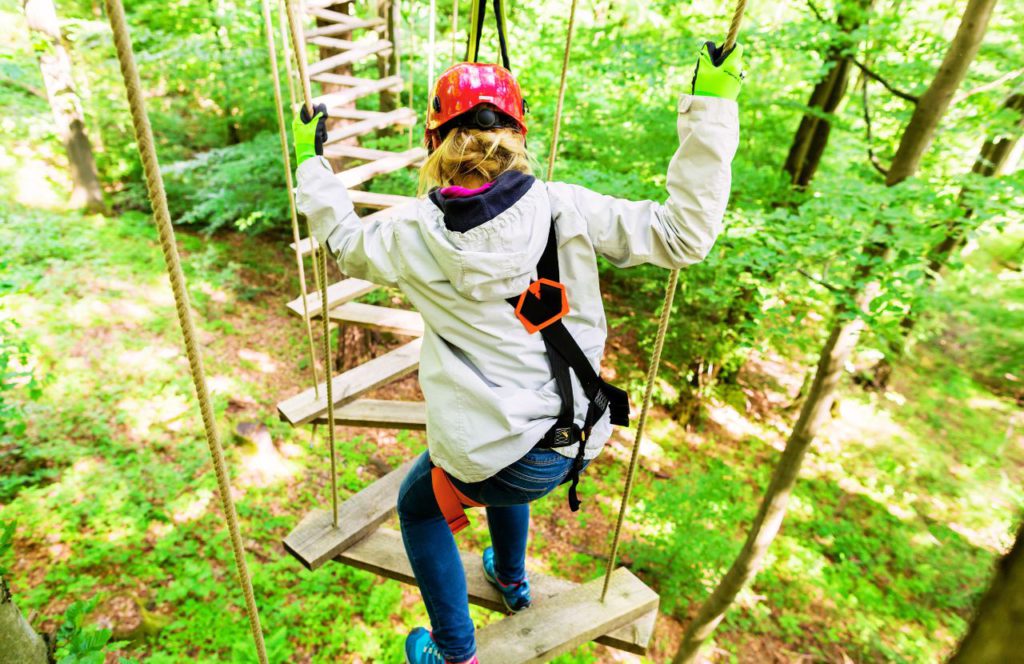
(494, 582)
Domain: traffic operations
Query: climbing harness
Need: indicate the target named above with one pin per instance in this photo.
(541, 308)
(162, 218)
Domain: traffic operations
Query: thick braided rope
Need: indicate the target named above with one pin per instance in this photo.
(299, 46)
(652, 372)
(561, 91)
(162, 218)
(286, 159)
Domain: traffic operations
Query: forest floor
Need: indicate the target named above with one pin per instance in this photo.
(903, 506)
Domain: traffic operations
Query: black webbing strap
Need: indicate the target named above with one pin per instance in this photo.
(476, 28)
(564, 353)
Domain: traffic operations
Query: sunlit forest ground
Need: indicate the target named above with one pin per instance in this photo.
(902, 508)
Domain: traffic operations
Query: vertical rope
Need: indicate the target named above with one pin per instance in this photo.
(652, 372)
(299, 46)
(285, 45)
(561, 92)
(268, 25)
(162, 218)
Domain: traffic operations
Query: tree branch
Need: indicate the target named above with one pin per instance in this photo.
(885, 84)
(820, 282)
(24, 87)
(985, 87)
(817, 12)
(872, 157)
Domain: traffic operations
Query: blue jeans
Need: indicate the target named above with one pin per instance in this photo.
(434, 555)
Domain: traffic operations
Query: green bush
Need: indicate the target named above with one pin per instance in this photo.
(239, 186)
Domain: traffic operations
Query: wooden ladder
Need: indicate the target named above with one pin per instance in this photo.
(565, 615)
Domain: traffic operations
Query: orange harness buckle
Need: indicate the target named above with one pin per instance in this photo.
(453, 503)
(550, 298)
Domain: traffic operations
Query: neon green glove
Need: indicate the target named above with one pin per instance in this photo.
(718, 74)
(309, 135)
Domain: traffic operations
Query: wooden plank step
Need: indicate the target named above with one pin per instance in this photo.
(345, 151)
(366, 88)
(566, 621)
(399, 116)
(306, 243)
(320, 10)
(385, 414)
(385, 319)
(333, 42)
(350, 56)
(383, 553)
(315, 540)
(306, 406)
(396, 162)
(374, 122)
(341, 79)
(375, 24)
(372, 199)
(337, 293)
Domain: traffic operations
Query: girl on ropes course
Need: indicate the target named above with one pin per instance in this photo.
(503, 268)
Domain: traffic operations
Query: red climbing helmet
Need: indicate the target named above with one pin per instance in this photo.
(467, 85)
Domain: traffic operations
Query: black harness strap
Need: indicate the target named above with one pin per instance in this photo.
(565, 354)
(476, 30)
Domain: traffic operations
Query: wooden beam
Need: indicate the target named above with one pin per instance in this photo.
(340, 79)
(399, 116)
(410, 415)
(566, 621)
(384, 554)
(366, 88)
(372, 199)
(344, 151)
(344, 28)
(306, 406)
(350, 56)
(396, 162)
(306, 244)
(385, 319)
(337, 293)
(315, 540)
(333, 42)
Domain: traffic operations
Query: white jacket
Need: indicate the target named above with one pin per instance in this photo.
(488, 386)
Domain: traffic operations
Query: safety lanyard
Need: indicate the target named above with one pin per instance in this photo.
(476, 25)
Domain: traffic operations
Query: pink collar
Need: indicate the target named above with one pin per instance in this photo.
(462, 192)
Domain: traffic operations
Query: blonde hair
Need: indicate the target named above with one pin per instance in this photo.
(465, 152)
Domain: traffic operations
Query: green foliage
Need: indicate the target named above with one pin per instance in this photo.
(6, 542)
(239, 186)
(81, 645)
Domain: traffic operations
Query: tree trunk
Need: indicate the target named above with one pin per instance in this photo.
(841, 341)
(811, 136)
(990, 162)
(21, 644)
(223, 46)
(55, 65)
(994, 634)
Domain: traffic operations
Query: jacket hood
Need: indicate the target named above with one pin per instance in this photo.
(497, 256)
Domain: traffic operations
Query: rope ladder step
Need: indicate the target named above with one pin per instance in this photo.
(306, 406)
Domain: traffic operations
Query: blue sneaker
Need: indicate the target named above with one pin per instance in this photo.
(516, 596)
(421, 649)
